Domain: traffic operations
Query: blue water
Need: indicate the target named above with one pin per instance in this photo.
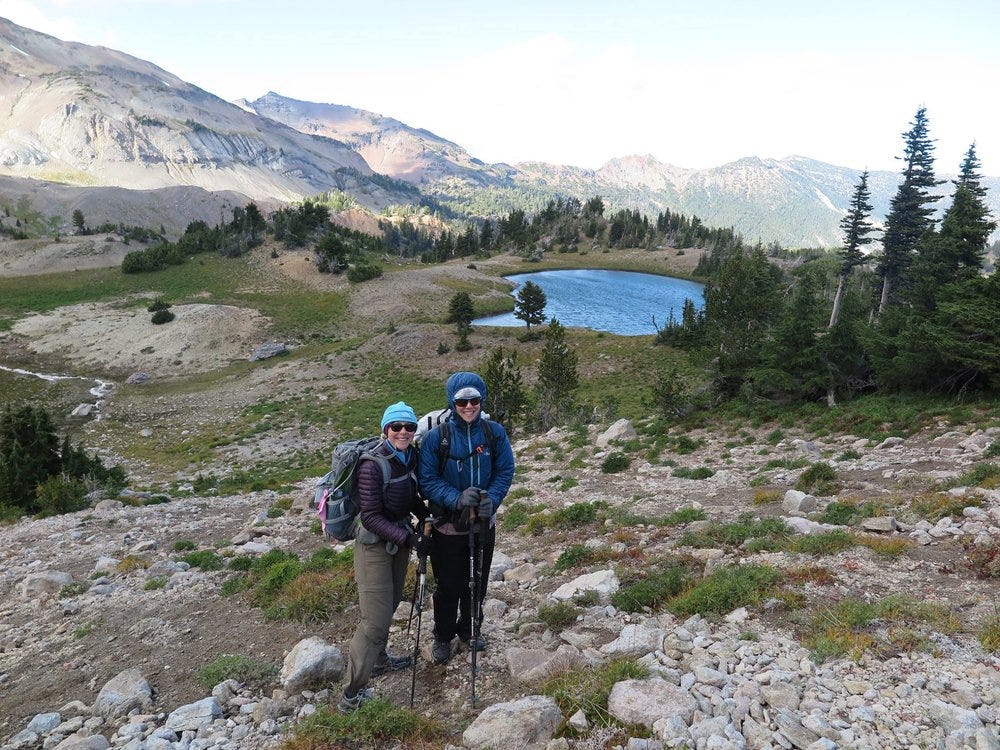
(619, 302)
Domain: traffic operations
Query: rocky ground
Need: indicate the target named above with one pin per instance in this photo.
(74, 615)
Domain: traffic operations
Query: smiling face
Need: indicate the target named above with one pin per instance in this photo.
(468, 408)
(400, 434)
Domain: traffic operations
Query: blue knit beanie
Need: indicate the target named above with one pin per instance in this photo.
(398, 412)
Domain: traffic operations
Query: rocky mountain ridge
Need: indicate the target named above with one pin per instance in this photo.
(92, 116)
(87, 115)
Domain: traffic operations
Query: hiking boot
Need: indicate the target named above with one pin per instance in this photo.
(479, 641)
(354, 702)
(391, 664)
(441, 651)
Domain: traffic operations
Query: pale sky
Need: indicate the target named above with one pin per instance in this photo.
(696, 83)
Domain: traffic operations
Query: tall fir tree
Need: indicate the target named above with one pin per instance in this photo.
(506, 399)
(740, 305)
(557, 376)
(856, 226)
(910, 211)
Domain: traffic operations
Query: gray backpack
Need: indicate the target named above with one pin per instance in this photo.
(336, 499)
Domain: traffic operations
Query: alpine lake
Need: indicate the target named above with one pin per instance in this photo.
(620, 302)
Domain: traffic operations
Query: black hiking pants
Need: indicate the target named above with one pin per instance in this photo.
(450, 560)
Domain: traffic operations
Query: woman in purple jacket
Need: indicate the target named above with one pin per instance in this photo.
(382, 551)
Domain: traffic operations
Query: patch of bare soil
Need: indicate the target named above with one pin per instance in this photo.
(106, 338)
(31, 257)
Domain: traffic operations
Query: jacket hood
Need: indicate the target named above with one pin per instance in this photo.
(460, 380)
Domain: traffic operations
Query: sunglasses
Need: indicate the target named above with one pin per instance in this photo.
(398, 426)
(467, 401)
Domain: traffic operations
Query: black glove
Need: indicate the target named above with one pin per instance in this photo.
(485, 509)
(420, 543)
(469, 498)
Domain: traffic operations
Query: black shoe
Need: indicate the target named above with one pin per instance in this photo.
(392, 664)
(441, 651)
(480, 642)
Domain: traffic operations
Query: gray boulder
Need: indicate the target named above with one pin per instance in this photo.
(620, 430)
(312, 662)
(75, 742)
(528, 665)
(45, 583)
(525, 724)
(194, 716)
(646, 701)
(268, 350)
(797, 501)
(124, 692)
(44, 723)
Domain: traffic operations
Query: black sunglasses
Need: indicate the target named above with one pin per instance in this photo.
(408, 426)
(466, 401)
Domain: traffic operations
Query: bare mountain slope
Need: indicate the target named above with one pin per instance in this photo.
(389, 146)
(93, 116)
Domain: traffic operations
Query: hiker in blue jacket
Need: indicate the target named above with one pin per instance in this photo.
(476, 473)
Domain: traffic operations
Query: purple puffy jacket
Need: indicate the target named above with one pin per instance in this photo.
(383, 512)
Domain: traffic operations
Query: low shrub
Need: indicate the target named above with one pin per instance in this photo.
(577, 514)
(364, 272)
(235, 667)
(159, 304)
(766, 497)
(986, 476)
(933, 506)
(204, 559)
(983, 560)
(155, 583)
(989, 633)
(734, 534)
(557, 615)
(574, 555)
(826, 543)
(652, 591)
(615, 463)
(818, 479)
(726, 589)
(162, 316)
(131, 563)
(184, 545)
(699, 472)
(57, 495)
(588, 688)
(378, 723)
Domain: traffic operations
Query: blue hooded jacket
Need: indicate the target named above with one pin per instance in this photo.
(470, 463)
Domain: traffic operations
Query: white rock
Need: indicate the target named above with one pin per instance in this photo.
(601, 581)
(125, 692)
(636, 640)
(194, 716)
(620, 430)
(525, 724)
(797, 501)
(312, 662)
(646, 701)
(44, 583)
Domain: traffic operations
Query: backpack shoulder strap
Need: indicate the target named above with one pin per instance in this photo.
(383, 464)
(444, 446)
(491, 439)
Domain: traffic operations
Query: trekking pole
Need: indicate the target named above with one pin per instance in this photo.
(418, 598)
(473, 594)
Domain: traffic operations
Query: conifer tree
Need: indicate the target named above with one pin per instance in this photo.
(910, 210)
(530, 305)
(29, 454)
(557, 376)
(856, 227)
(460, 309)
(740, 303)
(506, 398)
